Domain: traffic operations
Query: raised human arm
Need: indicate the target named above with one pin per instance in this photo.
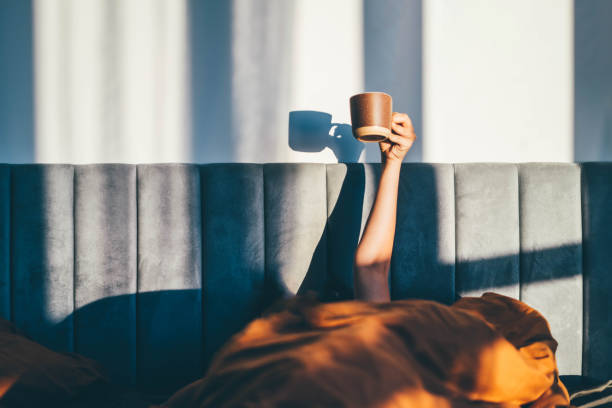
(373, 254)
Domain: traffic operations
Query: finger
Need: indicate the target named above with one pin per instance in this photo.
(406, 126)
(400, 129)
(401, 118)
(404, 131)
(403, 142)
(384, 144)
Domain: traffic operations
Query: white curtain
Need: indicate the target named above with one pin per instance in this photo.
(233, 80)
(111, 81)
(175, 81)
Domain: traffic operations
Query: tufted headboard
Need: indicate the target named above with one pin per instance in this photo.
(150, 268)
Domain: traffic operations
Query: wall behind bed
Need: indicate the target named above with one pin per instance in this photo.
(236, 81)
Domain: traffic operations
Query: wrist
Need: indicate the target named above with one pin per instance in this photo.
(392, 164)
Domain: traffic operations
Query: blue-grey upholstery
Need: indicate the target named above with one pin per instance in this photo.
(150, 268)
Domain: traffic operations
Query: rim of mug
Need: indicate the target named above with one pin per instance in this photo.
(367, 93)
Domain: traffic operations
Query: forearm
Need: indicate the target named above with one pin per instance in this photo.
(373, 254)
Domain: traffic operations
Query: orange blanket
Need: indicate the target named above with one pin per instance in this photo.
(480, 352)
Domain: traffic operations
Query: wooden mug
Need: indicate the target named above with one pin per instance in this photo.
(371, 116)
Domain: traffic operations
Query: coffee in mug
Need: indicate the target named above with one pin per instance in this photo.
(371, 116)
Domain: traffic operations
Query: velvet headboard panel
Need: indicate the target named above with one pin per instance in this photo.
(150, 268)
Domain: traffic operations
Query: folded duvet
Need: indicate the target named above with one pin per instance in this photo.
(479, 352)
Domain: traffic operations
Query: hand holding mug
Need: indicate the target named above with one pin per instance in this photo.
(373, 120)
(399, 142)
